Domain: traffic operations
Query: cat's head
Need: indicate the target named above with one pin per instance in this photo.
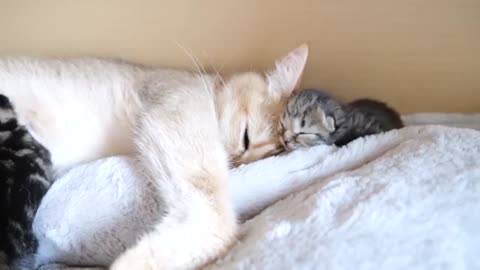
(307, 120)
(250, 105)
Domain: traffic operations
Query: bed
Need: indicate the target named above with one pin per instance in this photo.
(407, 199)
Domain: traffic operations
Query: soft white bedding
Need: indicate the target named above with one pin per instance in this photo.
(408, 199)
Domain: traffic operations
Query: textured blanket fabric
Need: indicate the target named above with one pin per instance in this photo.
(408, 199)
(405, 200)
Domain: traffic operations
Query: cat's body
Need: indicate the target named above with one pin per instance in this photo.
(184, 129)
(25, 176)
(314, 117)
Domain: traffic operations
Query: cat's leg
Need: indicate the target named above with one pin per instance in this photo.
(188, 166)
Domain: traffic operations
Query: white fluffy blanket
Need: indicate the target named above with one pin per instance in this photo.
(408, 199)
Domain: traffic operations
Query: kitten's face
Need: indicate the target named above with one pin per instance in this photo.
(302, 127)
(250, 107)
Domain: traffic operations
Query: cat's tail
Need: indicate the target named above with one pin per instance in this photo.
(20, 190)
(8, 119)
(26, 262)
(19, 246)
(3, 261)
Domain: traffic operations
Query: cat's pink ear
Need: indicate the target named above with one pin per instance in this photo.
(288, 71)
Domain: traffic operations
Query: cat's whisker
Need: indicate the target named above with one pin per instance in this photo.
(217, 71)
(200, 68)
(218, 75)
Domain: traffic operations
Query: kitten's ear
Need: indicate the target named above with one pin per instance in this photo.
(288, 72)
(330, 124)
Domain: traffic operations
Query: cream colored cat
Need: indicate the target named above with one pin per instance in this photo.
(185, 129)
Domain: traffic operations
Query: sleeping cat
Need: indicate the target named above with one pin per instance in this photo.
(313, 117)
(183, 128)
(25, 176)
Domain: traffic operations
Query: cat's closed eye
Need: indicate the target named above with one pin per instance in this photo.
(246, 140)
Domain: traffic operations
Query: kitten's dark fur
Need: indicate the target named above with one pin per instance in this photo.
(366, 117)
(352, 120)
(25, 176)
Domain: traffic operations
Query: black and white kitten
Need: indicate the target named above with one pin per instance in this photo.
(25, 177)
(313, 117)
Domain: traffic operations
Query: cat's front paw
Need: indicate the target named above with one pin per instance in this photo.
(134, 259)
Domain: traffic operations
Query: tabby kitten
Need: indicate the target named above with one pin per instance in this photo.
(24, 180)
(314, 117)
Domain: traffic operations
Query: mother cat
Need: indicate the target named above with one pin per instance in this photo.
(184, 128)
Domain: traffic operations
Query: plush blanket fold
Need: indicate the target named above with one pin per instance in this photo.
(405, 200)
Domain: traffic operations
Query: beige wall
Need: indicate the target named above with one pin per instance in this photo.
(420, 55)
